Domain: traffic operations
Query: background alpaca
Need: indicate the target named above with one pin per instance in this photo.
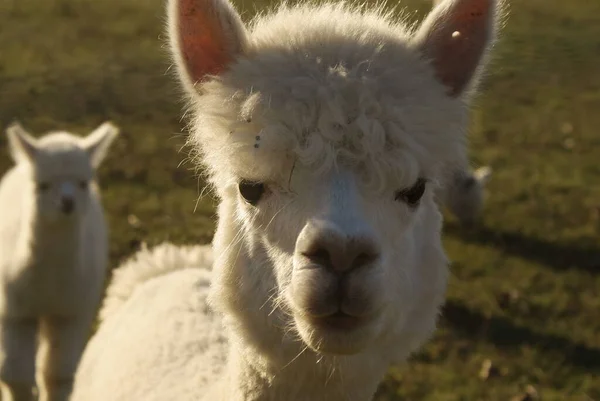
(53, 255)
(464, 193)
(323, 130)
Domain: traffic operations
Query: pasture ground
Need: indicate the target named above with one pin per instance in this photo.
(525, 288)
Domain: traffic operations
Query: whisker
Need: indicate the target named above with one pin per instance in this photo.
(296, 357)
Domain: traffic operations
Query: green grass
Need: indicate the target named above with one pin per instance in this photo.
(72, 64)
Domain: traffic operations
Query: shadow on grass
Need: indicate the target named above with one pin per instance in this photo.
(555, 255)
(505, 334)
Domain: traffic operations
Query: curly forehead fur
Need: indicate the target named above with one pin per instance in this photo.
(323, 86)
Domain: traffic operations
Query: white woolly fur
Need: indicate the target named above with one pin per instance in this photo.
(324, 129)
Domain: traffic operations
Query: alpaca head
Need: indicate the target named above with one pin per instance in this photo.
(323, 130)
(465, 194)
(62, 168)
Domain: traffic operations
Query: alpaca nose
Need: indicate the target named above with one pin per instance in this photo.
(332, 249)
(67, 205)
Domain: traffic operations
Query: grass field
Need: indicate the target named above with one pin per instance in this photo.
(525, 287)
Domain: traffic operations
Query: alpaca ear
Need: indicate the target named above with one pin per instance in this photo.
(482, 174)
(23, 147)
(96, 144)
(205, 38)
(455, 37)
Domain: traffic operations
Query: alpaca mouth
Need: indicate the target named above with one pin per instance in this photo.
(339, 321)
(338, 333)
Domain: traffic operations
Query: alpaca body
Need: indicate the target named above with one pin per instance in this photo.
(53, 260)
(165, 290)
(324, 130)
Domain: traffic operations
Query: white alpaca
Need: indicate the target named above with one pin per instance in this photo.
(324, 130)
(53, 256)
(464, 193)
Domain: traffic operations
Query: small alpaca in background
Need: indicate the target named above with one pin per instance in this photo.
(463, 194)
(53, 259)
(324, 130)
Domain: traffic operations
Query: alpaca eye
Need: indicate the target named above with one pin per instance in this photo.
(43, 186)
(251, 191)
(83, 184)
(411, 196)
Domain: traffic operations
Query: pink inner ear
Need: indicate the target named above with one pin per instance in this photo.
(457, 56)
(202, 38)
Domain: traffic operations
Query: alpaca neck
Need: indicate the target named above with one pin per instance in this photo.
(309, 377)
(55, 241)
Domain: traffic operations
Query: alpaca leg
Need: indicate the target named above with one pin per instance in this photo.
(17, 358)
(61, 344)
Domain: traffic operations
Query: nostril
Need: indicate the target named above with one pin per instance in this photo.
(67, 205)
(364, 258)
(319, 256)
